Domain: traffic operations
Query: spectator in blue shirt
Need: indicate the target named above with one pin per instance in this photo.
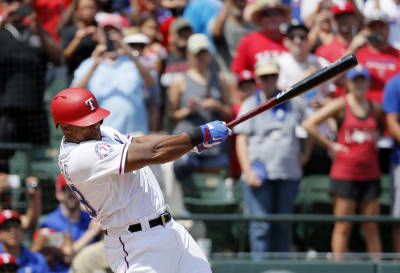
(69, 219)
(391, 106)
(11, 235)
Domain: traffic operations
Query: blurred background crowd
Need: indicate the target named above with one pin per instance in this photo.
(164, 66)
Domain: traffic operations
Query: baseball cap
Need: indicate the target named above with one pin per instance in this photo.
(357, 71)
(261, 5)
(198, 42)
(112, 19)
(7, 214)
(245, 75)
(8, 259)
(180, 23)
(43, 231)
(293, 24)
(60, 182)
(346, 7)
(137, 38)
(376, 15)
(266, 69)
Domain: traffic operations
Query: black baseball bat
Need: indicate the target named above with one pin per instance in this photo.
(302, 86)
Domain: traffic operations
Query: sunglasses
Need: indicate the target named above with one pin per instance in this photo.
(301, 37)
(271, 12)
(269, 76)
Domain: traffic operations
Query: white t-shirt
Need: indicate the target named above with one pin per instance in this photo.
(292, 71)
(392, 10)
(94, 170)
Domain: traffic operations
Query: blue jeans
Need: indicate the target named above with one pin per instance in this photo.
(273, 196)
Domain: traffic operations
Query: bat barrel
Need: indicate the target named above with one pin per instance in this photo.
(302, 86)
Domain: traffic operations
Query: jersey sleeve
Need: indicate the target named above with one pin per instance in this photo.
(97, 160)
(391, 100)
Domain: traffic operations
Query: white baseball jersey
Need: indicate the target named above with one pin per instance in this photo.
(94, 170)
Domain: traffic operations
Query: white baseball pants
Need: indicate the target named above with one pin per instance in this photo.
(162, 249)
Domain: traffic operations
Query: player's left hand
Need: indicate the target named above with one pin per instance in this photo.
(214, 133)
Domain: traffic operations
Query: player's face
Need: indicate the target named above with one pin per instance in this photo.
(78, 134)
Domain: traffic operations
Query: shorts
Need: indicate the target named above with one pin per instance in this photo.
(356, 190)
(395, 190)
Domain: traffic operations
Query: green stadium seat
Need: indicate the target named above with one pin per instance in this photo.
(314, 189)
(209, 189)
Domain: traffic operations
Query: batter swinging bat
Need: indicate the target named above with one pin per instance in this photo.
(302, 86)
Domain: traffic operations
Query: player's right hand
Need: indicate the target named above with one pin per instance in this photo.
(214, 133)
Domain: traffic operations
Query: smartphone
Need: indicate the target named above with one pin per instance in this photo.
(109, 42)
(24, 11)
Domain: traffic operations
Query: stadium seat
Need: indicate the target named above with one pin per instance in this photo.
(385, 195)
(209, 189)
(314, 189)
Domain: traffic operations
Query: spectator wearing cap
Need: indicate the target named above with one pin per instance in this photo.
(391, 9)
(79, 38)
(264, 45)
(355, 172)
(8, 263)
(346, 21)
(380, 58)
(138, 42)
(270, 179)
(228, 28)
(199, 95)
(117, 78)
(246, 86)
(69, 219)
(11, 235)
(299, 63)
(391, 106)
(295, 65)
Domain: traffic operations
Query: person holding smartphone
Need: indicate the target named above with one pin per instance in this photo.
(116, 77)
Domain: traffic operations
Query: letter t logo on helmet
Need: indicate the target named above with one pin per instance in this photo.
(76, 106)
(90, 102)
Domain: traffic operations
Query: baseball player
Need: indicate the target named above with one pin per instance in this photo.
(108, 173)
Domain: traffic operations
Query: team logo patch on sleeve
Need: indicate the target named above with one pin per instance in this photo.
(103, 149)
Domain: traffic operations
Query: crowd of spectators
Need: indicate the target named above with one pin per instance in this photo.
(168, 65)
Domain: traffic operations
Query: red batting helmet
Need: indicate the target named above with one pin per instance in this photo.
(76, 106)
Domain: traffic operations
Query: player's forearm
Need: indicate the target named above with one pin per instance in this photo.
(156, 149)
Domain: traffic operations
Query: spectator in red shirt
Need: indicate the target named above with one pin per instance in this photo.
(347, 23)
(381, 59)
(49, 14)
(264, 45)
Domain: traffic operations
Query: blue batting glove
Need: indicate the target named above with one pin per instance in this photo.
(214, 133)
